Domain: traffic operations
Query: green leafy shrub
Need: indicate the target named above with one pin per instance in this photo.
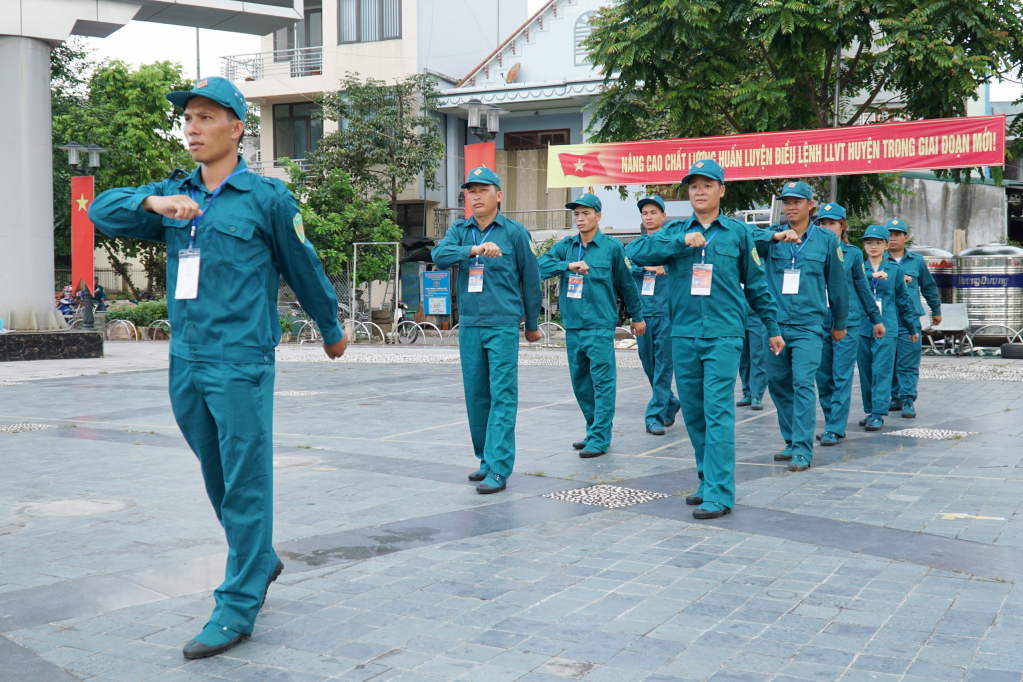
(141, 315)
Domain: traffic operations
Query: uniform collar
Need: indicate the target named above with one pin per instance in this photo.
(498, 220)
(598, 239)
(692, 220)
(905, 256)
(242, 182)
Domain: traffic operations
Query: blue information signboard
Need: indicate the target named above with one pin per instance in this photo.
(437, 292)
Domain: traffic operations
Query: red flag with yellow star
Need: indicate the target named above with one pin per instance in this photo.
(82, 232)
(582, 165)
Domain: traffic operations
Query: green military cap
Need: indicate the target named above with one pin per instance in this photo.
(876, 232)
(220, 90)
(481, 176)
(797, 189)
(832, 211)
(652, 199)
(585, 201)
(897, 225)
(708, 168)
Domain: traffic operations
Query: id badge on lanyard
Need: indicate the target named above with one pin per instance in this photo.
(476, 279)
(187, 287)
(878, 302)
(575, 286)
(790, 282)
(649, 282)
(703, 277)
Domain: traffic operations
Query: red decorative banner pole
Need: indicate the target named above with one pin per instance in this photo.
(82, 232)
(476, 155)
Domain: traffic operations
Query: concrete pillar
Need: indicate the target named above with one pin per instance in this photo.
(451, 179)
(26, 185)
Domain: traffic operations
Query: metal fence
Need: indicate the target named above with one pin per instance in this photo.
(109, 279)
(296, 63)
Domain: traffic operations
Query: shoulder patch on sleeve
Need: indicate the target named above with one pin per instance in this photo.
(299, 227)
(627, 263)
(841, 256)
(756, 256)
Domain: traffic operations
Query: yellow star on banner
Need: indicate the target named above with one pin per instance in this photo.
(82, 202)
(579, 165)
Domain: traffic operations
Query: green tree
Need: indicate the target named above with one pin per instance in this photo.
(388, 135)
(336, 216)
(697, 68)
(126, 112)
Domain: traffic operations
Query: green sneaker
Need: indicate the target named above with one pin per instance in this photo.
(799, 463)
(829, 438)
(908, 411)
(785, 455)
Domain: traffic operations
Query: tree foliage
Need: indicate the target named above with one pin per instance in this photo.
(386, 136)
(336, 215)
(126, 112)
(694, 68)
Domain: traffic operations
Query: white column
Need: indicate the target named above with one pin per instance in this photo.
(451, 181)
(26, 185)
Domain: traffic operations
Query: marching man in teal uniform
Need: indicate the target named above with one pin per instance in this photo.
(838, 358)
(230, 236)
(593, 271)
(805, 274)
(877, 351)
(655, 346)
(907, 353)
(714, 270)
(498, 284)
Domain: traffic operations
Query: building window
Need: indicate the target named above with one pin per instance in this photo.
(411, 219)
(535, 139)
(305, 33)
(582, 32)
(297, 130)
(366, 21)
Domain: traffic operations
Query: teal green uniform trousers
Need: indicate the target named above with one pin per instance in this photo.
(835, 379)
(877, 367)
(490, 377)
(705, 372)
(907, 365)
(225, 412)
(655, 354)
(790, 378)
(751, 364)
(591, 363)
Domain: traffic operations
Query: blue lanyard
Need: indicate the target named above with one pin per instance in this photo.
(216, 193)
(806, 240)
(582, 254)
(485, 235)
(703, 253)
(874, 281)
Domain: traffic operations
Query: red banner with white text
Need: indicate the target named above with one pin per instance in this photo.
(965, 142)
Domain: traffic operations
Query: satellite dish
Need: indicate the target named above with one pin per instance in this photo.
(513, 72)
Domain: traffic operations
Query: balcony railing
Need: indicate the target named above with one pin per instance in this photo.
(303, 61)
(541, 219)
(261, 167)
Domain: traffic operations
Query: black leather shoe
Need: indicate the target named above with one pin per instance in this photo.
(193, 649)
(493, 483)
(273, 576)
(587, 454)
(478, 475)
(693, 499)
(579, 444)
(783, 456)
(654, 430)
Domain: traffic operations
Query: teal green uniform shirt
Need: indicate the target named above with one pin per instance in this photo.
(659, 304)
(250, 236)
(896, 304)
(856, 281)
(736, 263)
(821, 272)
(921, 282)
(609, 275)
(511, 283)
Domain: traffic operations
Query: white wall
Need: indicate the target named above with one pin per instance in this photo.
(456, 35)
(934, 209)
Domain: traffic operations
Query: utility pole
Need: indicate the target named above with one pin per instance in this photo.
(197, 62)
(838, 91)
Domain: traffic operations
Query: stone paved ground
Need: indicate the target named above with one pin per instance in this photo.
(893, 558)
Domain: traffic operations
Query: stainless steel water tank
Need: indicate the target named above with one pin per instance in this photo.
(939, 263)
(989, 280)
